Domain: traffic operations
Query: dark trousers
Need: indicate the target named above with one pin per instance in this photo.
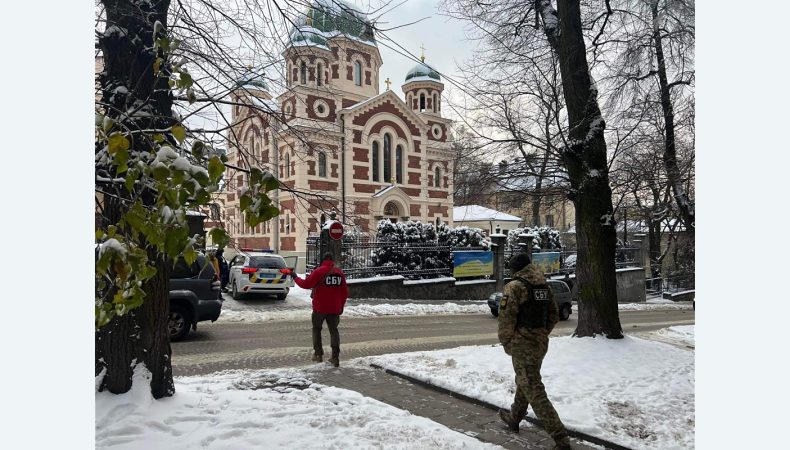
(332, 321)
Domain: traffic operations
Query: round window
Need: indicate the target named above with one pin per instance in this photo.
(321, 108)
(437, 131)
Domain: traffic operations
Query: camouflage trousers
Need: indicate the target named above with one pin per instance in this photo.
(531, 391)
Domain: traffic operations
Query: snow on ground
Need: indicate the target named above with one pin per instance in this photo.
(364, 310)
(635, 392)
(654, 306)
(262, 409)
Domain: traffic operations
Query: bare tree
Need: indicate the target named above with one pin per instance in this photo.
(537, 34)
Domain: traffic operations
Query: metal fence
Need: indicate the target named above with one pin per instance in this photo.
(671, 284)
(364, 256)
(624, 257)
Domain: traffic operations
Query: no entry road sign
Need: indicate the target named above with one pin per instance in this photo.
(336, 230)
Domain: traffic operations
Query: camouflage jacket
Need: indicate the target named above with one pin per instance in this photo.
(516, 293)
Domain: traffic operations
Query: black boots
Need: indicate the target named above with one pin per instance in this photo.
(506, 417)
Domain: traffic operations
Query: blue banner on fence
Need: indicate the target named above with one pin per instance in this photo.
(548, 262)
(472, 263)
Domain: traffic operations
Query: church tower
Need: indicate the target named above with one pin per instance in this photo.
(423, 90)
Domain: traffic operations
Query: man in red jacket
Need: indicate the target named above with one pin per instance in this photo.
(330, 293)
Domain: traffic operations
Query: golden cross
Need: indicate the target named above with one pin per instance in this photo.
(388, 82)
(422, 57)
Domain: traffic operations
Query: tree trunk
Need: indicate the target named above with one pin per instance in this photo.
(685, 205)
(141, 335)
(585, 161)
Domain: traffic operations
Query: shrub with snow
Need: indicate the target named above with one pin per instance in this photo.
(546, 238)
(415, 246)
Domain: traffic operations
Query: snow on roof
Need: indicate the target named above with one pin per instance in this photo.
(476, 212)
(384, 191)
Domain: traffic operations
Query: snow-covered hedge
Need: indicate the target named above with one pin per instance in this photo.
(417, 246)
(546, 238)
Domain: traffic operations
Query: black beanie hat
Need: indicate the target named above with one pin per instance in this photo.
(518, 262)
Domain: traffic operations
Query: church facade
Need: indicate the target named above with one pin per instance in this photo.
(339, 144)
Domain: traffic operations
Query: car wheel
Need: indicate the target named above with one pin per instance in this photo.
(235, 292)
(179, 322)
(565, 312)
(281, 296)
(494, 312)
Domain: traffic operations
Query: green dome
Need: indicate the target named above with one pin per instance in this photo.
(329, 18)
(422, 72)
(251, 80)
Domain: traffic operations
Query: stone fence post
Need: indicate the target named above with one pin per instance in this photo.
(640, 241)
(498, 247)
(525, 243)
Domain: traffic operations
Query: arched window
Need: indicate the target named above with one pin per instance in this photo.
(387, 158)
(303, 72)
(435, 107)
(399, 164)
(391, 211)
(422, 102)
(374, 161)
(319, 74)
(287, 165)
(358, 73)
(437, 176)
(321, 164)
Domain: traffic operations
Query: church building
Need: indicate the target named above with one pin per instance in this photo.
(339, 144)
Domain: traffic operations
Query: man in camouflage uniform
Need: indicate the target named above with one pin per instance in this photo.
(527, 314)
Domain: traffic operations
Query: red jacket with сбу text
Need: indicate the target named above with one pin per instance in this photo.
(330, 290)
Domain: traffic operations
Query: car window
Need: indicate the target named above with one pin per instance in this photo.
(266, 262)
(559, 288)
(184, 270)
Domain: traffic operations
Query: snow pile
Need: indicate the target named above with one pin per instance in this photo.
(649, 306)
(414, 309)
(632, 391)
(265, 409)
(364, 310)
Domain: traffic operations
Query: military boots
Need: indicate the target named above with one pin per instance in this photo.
(507, 417)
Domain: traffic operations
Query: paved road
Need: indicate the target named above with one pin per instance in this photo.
(219, 346)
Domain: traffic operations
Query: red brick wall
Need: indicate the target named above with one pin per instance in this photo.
(437, 210)
(321, 185)
(361, 173)
(254, 242)
(288, 243)
(414, 178)
(411, 191)
(361, 207)
(414, 210)
(364, 188)
(347, 102)
(414, 162)
(360, 155)
(437, 194)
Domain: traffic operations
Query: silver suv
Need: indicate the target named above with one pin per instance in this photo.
(258, 272)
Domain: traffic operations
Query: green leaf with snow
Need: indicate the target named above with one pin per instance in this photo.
(179, 132)
(117, 141)
(215, 169)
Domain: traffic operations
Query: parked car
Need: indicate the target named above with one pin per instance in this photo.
(562, 296)
(258, 272)
(194, 296)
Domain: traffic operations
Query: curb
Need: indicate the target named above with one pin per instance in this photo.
(573, 433)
